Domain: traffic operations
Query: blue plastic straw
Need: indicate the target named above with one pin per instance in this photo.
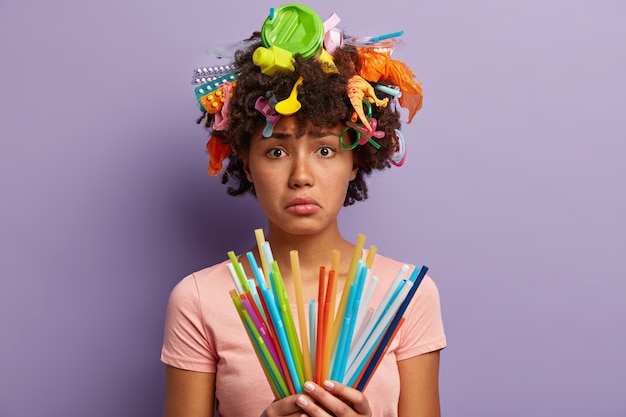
(257, 300)
(388, 90)
(267, 252)
(362, 274)
(380, 310)
(384, 37)
(290, 326)
(282, 338)
(416, 278)
(377, 357)
(277, 385)
(361, 359)
(418, 275)
(312, 333)
(353, 372)
(342, 341)
(363, 323)
(262, 330)
(340, 354)
(258, 273)
(261, 348)
(352, 322)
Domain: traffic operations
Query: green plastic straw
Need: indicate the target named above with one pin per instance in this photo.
(290, 327)
(275, 379)
(239, 270)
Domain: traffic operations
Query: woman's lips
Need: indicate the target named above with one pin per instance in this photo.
(303, 206)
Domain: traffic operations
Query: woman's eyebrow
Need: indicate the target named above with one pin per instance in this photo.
(317, 134)
(322, 133)
(280, 135)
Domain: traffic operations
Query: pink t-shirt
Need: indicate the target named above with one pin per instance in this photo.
(203, 332)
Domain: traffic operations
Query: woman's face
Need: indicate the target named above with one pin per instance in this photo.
(300, 181)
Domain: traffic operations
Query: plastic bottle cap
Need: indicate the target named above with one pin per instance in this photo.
(295, 28)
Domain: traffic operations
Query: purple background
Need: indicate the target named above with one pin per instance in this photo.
(513, 194)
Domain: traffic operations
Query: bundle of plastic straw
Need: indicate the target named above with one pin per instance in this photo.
(345, 343)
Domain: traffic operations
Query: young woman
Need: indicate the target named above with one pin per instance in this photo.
(290, 132)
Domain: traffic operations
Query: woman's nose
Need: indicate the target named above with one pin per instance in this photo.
(301, 173)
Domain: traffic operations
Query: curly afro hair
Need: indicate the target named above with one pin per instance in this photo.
(324, 103)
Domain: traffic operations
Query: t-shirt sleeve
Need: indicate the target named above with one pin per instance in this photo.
(423, 330)
(186, 344)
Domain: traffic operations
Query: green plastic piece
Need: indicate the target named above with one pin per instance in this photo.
(295, 28)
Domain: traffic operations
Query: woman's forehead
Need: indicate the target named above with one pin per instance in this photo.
(291, 126)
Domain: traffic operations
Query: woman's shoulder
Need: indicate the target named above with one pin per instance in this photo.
(211, 272)
(387, 269)
(384, 266)
(209, 279)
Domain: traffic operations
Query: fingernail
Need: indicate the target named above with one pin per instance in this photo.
(302, 401)
(309, 386)
(329, 384)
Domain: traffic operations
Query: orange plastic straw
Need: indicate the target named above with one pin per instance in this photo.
(319, 351)
(329, 308)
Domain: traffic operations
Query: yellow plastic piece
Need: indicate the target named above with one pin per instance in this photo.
(290, 105)
(328, 64)
(272, 59)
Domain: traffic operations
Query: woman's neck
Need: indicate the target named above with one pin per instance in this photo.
(313, 250)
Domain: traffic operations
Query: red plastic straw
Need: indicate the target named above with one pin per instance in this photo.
(281, 354)
(319, 351)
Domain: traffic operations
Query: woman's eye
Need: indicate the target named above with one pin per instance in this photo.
(326, 151)
(275, 153)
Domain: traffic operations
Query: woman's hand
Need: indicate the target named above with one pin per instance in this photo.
(285, 407)
(333, 399)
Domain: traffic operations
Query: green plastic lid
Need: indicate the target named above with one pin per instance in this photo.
(295, 28)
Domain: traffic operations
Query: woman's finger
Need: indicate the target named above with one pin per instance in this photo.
(350, 396)
(286, 407)
(333, 399)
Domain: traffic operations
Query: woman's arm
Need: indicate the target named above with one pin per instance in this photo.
(189, 393)
(419, 386)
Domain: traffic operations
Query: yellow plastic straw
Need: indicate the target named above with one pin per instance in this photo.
(260, 238)
(370, 257)
(356, 256)
(304, 339)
